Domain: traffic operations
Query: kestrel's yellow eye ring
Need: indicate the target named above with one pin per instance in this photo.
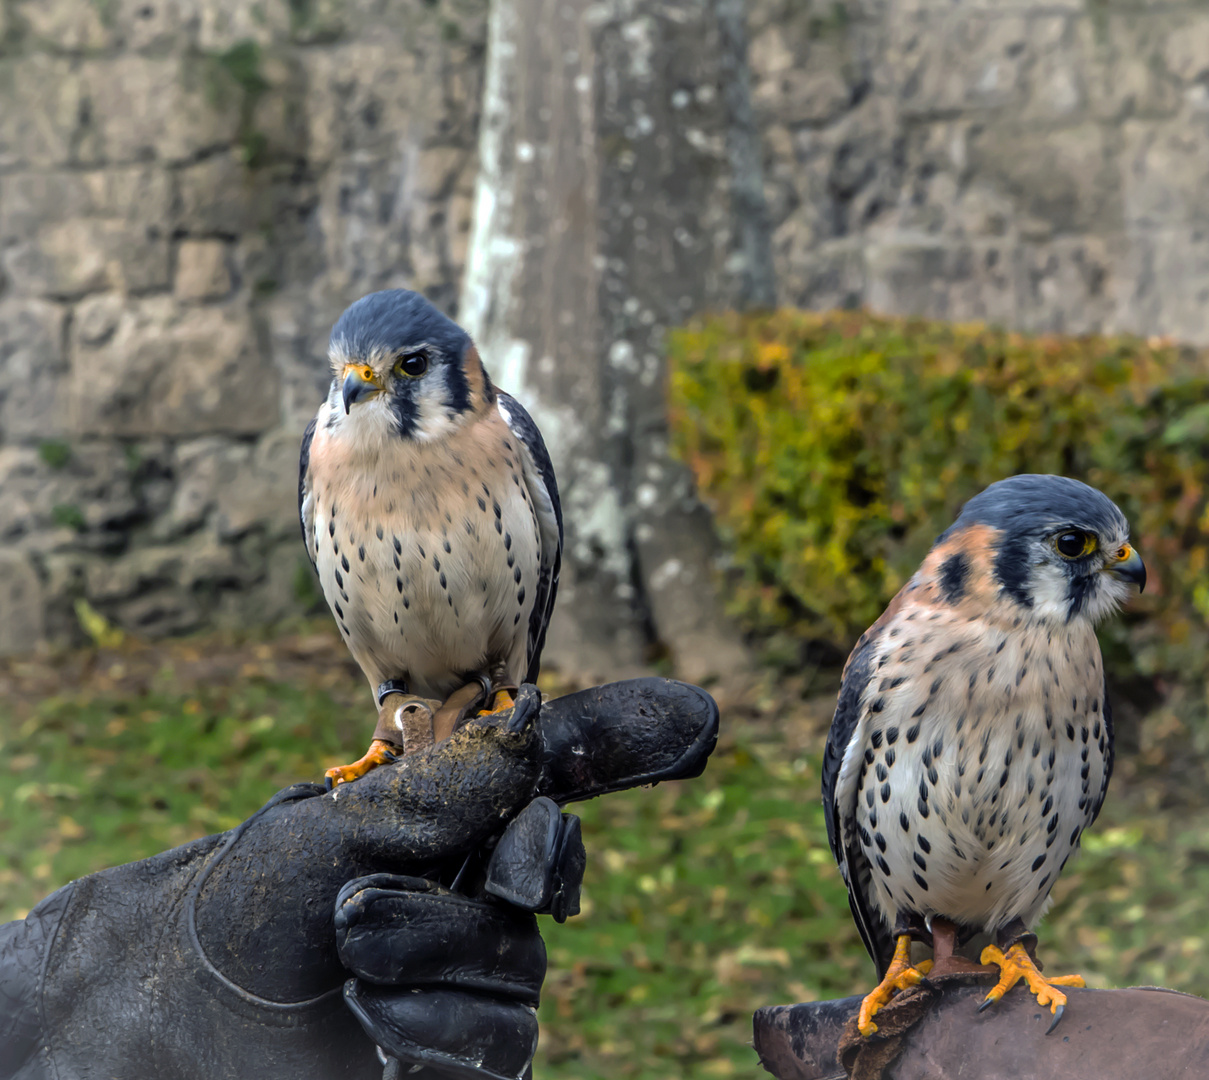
(1075, 543)
(412, 365)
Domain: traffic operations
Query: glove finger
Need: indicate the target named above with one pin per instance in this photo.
(410, 931)
(457, 1035)
(538, 864)
(625, 734)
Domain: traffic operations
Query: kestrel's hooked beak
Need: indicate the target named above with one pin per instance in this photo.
(1127, 564)
(359, 382)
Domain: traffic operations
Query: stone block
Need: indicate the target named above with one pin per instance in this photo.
(85, 501)
(23, 622)
(158, 590)
(31, 200)
(299, 327)
(203, 467)
(1164, 284)
(225, 23)
(1186, 48)
(152, 25)
(961, 282)
(216, 197)
(96, 318)
(201, 270)
(83, 255)
(199, 560)
(172, 371)
(40, 101)
(271, 597)
(139, 194)
(278, 119)
(236, 488)
(1163, 168)
(64, 25)
(144, 108)
(264, 495)
(1120, 59)
(1064, 180)
(823, 276)
(33, 367)
(798, 76)
(362, 96)
(365, 229)
(436, 172)
(1012, 7)
(1068, 285)
(940, 65)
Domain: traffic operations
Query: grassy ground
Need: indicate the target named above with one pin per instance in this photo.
(703, 900)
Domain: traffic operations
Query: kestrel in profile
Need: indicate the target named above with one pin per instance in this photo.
(972, 741)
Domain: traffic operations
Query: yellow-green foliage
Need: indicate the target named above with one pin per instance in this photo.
(834, 448)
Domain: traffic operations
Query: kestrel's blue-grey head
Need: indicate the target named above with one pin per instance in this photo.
(1061, 548)
(400, 367)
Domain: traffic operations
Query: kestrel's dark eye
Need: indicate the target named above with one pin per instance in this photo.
(1075, 544)
(412, 365)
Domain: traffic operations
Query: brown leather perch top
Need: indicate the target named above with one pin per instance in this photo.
(1143, 1033)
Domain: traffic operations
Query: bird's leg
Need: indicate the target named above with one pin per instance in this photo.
(503, 693)
(944, 952)
(900, 975)
(379, 753)
(405, 725)
(1012, 957)
(463, 702)
(502, 697)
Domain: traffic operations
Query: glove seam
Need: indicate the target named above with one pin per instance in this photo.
(284, 1009)
(47, 1032)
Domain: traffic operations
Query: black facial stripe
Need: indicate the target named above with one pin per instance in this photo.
(1080, 588)
(1012, 569)
(404, 408)
(953, 573)
(457, 387)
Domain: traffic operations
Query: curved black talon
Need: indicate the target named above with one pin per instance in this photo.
(1057, 1016)
(328, 784)
(528, 703)
(987, 1004)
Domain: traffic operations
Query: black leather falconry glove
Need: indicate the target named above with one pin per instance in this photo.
(221, 959)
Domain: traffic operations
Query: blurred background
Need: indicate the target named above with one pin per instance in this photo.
(783, 282)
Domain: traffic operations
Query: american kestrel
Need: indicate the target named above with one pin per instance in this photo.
(429, 509)
(972, 741)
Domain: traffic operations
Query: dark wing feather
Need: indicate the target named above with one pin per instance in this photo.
(543, 491)
(879, 942)
(306, 510)
(1109, 753)
(853, 864)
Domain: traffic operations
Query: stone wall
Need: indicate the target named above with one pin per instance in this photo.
(1035, 163)
(192, 190)
(190, 193)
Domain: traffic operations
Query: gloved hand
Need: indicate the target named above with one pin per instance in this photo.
(221, 959)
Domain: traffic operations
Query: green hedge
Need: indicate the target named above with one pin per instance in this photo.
(834, 448)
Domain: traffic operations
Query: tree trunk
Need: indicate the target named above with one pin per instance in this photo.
(619, 193)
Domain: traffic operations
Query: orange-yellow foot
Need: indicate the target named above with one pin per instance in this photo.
(900, 975)
(1016, 964)
(500, 700)
(379, 753)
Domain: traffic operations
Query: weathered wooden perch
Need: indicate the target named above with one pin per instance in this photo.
(1143, 1033)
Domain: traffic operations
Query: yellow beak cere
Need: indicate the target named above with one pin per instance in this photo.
(359, 382)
